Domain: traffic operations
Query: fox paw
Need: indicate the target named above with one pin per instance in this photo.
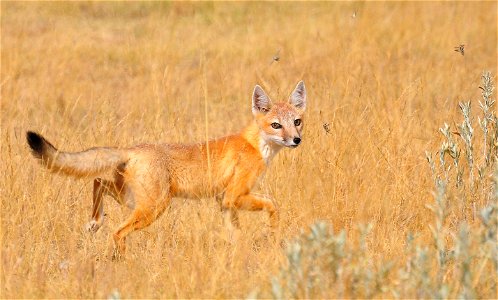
(93, 226)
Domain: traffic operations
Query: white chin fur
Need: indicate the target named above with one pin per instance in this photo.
(268, 147)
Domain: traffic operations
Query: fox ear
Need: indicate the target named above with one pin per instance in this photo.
(261, 103)
(298, 96)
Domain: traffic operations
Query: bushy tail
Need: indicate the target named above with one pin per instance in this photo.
(86, 163)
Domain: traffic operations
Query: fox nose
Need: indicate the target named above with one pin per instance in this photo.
(297, 140)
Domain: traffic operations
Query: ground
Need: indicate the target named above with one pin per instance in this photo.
(382, 78)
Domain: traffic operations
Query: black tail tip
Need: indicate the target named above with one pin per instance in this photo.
(36, 143)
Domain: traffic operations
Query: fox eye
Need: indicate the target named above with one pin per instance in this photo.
(297, 122)
(275, 125)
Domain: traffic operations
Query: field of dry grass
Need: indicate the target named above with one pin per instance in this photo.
(382, 78)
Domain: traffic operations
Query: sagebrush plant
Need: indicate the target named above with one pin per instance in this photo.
(324, 264)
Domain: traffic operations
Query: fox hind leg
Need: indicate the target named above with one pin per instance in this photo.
(101, 188)
(140, 218)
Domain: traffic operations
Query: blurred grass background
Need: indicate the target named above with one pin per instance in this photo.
(382, 77)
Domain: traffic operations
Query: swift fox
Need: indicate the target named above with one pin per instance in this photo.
(147, 176)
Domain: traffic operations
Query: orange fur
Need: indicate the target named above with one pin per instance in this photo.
(147, 176)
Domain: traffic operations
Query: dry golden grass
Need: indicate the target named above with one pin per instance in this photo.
(98, 74)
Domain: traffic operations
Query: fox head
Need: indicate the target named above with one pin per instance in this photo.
(280, 124)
